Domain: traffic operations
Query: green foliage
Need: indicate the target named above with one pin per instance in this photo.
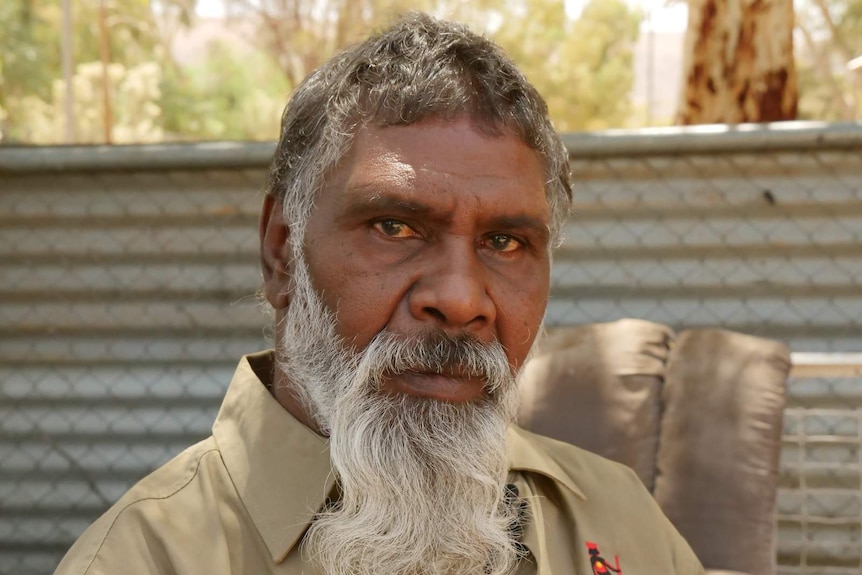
(235, 90)
(231, 95)
(302, 34)
(135, 112)
(29, 59)
(30, 64)
(583, 67)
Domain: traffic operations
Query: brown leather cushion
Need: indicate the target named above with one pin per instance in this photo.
(719, 446)
(598, 387)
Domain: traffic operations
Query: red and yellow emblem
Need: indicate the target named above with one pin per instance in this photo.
(599, 564)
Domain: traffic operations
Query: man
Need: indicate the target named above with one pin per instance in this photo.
(414, 199)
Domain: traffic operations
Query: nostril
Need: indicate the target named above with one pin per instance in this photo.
(435, 313)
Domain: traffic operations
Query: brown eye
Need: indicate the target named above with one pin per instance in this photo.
(503, 243)
(394, 229)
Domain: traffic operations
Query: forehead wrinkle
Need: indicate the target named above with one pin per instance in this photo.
(438, 171)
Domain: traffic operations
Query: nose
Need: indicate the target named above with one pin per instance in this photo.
(452, 293)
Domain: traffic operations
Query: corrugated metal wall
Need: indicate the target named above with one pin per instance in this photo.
(127, 281)
(128, 274)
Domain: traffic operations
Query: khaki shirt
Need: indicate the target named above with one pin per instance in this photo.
(241, 500)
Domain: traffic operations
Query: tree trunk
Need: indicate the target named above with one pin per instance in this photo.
(738, 63)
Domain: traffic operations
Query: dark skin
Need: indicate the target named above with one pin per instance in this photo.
(435, 226)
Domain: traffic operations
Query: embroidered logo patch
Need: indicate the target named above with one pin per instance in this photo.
(599, 564)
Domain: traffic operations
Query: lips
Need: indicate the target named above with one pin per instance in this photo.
(451, 385)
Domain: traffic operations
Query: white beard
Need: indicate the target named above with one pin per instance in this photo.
(421, 481)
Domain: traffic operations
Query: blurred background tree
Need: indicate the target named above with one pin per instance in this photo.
(302, 34)
(583, 65)
(739, 62)
(830, 68)
(29, 58)
(31, 79)
(579, 53)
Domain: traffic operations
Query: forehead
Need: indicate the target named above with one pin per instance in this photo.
(444, 161)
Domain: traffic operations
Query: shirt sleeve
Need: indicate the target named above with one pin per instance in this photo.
(117, 544)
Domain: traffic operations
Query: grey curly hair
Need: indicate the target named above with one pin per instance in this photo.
(419, 68)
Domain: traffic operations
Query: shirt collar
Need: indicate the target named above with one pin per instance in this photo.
(280, 468)
(527, 452)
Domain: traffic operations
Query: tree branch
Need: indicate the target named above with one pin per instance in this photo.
(823, 68)
(837, 37)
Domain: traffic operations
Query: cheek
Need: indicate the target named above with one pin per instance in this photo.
(362, 311)
(522, 315)
(362, 300)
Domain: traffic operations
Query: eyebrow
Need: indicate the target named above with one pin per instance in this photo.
(369, 199)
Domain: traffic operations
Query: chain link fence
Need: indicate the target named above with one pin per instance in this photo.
(128, 279)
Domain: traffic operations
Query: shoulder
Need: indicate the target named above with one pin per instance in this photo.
(135, 523)
(608, 503)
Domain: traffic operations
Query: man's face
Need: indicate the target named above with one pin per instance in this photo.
(433, 227)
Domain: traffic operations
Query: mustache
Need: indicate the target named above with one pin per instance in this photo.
(461, 355)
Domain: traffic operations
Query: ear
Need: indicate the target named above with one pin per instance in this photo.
(275, 254)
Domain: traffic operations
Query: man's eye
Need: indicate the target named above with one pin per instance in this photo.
(394, 229)
(503, 243)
